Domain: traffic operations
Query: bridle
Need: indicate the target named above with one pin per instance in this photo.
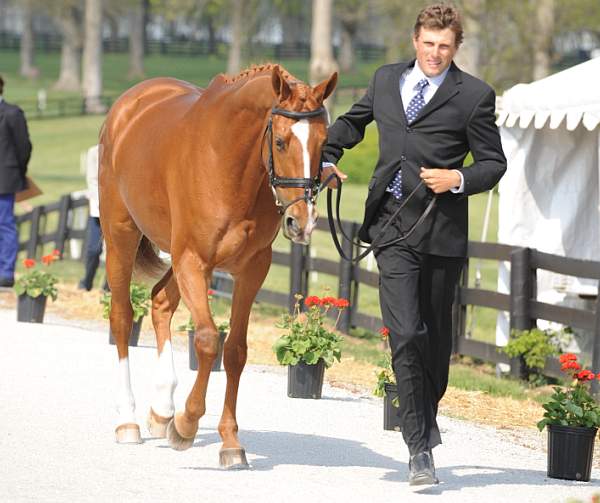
(311, 186)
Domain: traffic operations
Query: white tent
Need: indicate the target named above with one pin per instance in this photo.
(549, 196)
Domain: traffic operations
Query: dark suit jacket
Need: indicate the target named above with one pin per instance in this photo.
(15, 148)
(459, 118)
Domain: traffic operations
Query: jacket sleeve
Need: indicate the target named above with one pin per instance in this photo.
(20, 134)
(484, 142)
(349, 129)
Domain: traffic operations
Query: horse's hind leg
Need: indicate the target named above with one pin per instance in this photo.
(247, 284)
(122, 241)
(193, 280)
(165, 299)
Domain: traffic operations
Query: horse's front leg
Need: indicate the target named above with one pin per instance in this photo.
(247, 284)
(193, 280)
(165, 299)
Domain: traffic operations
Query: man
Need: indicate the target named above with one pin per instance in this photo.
(15, 151)
(429, 115)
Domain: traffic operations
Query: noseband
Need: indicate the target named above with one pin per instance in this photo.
(311, 186)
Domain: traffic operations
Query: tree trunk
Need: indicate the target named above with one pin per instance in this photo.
(322, 62)
(136, 41)
(542, 39)
(212, 36)
(28, 68)
(467, 58)
(347, 59)
(70, 58)
(235, 49)
(92, 57)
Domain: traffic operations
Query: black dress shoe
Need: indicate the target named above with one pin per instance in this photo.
(7, 282)
(421, 470)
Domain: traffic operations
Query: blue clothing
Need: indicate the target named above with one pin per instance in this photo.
(9, 241)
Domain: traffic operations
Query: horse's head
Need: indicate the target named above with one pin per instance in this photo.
(296, 134)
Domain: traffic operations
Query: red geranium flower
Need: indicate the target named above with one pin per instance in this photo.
(585, 375)
(48, 259)
(56, 253)
(384, 331)
(328, 301)
(28, 262)
(342, 303)
(210, 292)
(568, 365)
(312, 300)
(566, 357)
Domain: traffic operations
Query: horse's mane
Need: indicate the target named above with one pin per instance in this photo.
(256, 70)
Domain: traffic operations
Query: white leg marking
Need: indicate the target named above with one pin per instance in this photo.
(125, 400)
(166, 380)
(302, 131)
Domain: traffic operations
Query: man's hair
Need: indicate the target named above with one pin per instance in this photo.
(1, 85)
(440, 16)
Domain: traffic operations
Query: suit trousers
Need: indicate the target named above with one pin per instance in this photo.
(93, 251)
(416, 293)
(9, 241)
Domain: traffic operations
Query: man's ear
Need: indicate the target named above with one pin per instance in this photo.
(325, 88)
(280, 85)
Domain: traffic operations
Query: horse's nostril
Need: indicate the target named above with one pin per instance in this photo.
(292, 224)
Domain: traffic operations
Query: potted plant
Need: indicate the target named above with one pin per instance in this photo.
(139, 295)
(531, 348)
(572, 417)
(222, 328)
(34, 287)
(387, 389)
(308, 346)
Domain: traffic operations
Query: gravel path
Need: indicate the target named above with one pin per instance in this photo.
(56, 437)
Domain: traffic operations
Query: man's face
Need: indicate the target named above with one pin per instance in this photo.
(435, 50)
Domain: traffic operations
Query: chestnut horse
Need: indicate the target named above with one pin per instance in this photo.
(206, 175)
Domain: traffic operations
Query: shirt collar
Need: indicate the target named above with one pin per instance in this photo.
(417, 74)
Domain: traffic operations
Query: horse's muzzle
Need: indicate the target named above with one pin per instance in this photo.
(297, 229)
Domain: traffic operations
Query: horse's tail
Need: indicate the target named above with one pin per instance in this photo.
(147, 260)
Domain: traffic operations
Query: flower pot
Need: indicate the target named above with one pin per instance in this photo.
(570, 450)
(391, 421)
(31, 309)
(134, 335)
(305, 381)
(193, 359)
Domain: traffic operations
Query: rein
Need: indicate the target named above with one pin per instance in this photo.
(312, 186)
(375, 243)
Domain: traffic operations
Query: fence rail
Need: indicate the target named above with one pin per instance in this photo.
(521, 302)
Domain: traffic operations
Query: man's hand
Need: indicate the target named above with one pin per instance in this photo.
(327, 171)
(440, 180)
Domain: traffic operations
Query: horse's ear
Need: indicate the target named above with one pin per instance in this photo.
(325, 88)
(280, 85)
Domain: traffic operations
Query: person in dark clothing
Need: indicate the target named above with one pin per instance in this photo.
(429, 116)
(15, 152)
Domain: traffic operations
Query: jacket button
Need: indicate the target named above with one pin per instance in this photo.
(403, 158)
(408, 129)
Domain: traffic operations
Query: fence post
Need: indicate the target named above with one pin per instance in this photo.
(346, 274)
(298, 273)
(522, 290)
(596, 346)
(34, 232)
(62, 228)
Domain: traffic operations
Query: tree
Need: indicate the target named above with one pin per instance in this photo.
(467, 58)
(92, 57)
(322, 62)
(137, 15)
(69, 17)
(234, 59)
(542, 40)
(350, 13)
(28, 68)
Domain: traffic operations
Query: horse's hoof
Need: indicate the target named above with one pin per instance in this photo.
(128, 433)
(176, 441)
(233, 458)
(157, 425)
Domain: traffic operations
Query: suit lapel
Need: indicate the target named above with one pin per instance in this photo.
(395, 87)
(448, 89)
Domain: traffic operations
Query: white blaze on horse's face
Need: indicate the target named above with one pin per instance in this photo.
(301, 130)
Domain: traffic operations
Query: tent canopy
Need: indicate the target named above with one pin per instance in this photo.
(573, 94)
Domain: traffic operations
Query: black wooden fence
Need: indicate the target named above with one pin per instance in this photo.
(521, 301)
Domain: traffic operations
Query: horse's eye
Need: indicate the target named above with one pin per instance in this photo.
(279, 143)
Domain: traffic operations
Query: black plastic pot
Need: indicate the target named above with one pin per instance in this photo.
(391, 421)
(570, 451)
(134, 335)
(31, 309)
(306, 381)
(193, 359)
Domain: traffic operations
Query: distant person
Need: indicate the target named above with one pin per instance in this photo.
(94, 233)
(15, 152)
